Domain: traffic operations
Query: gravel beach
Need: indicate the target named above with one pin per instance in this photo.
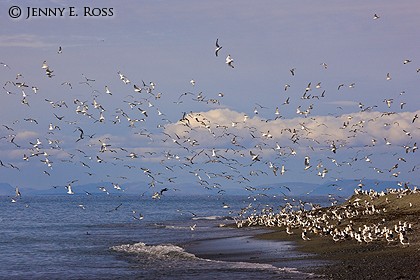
(349, 259)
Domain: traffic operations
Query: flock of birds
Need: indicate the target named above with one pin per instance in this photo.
(216, 152)
(337, 222)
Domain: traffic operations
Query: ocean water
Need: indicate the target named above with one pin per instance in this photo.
(133, 237)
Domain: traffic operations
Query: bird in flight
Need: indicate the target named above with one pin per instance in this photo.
(18, 194)
(69, 189)
(218, 47)
(5, 65)
(229, 61)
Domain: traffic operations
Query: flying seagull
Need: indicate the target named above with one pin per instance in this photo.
(229, 61)
(218, 47)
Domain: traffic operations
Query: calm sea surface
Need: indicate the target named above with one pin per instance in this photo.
(132, 237)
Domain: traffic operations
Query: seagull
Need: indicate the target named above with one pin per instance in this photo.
(307, 165)
(18, 194)
(305, 235)
(254, 156)
(308, 87)
(137, 88)
(60, 50)
(116, 208)
(292, 71)
(282, 170)
(140, 217)
(44, 65)
(229, 61)
(375, 16)
(5, 65)
(218, 47)
(107, 90)
(388, 102)
(68, 84)
(163, 190)
(69, 189)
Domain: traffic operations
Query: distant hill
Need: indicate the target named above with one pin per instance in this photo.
(93, 188)
(288, 188)
(342, 188)
(346, 187)
(135, 188)
(6, 189)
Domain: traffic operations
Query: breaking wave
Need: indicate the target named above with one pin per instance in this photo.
(172, 227)
(173, 253)
(161, 251)
(213, 218)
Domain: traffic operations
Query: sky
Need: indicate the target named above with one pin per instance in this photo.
(349, 106)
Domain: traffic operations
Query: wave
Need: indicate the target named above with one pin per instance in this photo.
(213, 218)
(172, 227)
(162, 251)
(170, 252)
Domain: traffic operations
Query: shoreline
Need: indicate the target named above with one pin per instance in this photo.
(364, 259)
(280, 256)
(350, 260)
(323, 258)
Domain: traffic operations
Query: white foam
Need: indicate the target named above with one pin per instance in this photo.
(158, 251)
(173, 252)
(172, 227)
(213, 218)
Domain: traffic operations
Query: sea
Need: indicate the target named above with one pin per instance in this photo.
(132, 237)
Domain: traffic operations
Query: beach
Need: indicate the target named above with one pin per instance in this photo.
(349, 260)
(323, 258)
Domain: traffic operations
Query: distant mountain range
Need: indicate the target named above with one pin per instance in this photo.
(342, 188)
(6, 189)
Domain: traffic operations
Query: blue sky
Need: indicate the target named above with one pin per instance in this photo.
(172, 43)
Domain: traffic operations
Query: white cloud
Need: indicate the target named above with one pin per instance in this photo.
(24, 40)
(215, 127)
